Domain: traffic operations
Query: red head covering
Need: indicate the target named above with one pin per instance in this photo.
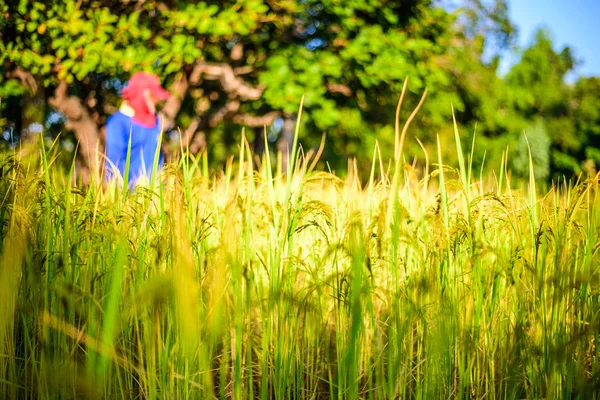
(134, 95)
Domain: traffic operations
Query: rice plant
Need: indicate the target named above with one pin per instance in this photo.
(255, 283)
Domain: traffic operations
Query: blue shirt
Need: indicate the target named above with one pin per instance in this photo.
(144, 142)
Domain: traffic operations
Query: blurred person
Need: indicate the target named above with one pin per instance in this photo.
(138, 122)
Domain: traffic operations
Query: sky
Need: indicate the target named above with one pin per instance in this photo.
(575, 23)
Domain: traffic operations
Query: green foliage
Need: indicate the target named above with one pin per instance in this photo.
(587, 114)
(352, 56)
(570, 113)
(535, 138)
(367, 47)
(534, 90)
(537, 81)
(586, 119)
(295, 72)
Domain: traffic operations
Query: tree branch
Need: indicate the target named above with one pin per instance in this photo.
(255, 120)
(191, 130)
(243, 70)
(235, 88)
(173, 104)
(230, 82)
(339, 88)
(227, 110)
(70, 106)
(25, 77)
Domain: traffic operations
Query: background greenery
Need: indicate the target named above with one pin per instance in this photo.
(248, 63)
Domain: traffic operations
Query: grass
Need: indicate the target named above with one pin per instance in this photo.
(259, 283)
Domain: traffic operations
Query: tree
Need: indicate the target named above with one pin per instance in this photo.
(481, 32)
(586, 118)
(248, 63)
(536, 89)
(229, 63)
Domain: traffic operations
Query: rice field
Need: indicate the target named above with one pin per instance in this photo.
(256, 283)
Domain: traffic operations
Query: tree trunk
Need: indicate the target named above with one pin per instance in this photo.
(32, 112)
(285, 142)
(198, 143)
(259, 145)
(173, 104)
(29, 105)
(85, 129)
